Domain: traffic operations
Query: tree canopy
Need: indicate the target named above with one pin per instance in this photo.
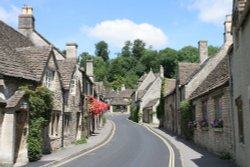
(135, 59)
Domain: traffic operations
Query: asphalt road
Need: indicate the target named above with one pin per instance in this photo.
(132, 146)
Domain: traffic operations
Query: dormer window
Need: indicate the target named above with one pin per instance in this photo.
(49, 76)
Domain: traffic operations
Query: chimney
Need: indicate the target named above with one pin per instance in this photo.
(89, 69)
(161, 71)
(227, 29)
(203, 52)
(26, 21)
(71, 50)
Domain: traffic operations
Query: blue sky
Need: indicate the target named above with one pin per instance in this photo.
(160, 23)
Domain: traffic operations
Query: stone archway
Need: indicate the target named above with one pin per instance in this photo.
(21, 155)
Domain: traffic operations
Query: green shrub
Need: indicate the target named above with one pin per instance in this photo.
(40, 102)
(104, 120)
(82, 140)
(186, 117)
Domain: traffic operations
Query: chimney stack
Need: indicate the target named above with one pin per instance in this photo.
(71, 50)
(89, 69)
(227, 29)
(161, 71)
(203, 51)
(26, 21)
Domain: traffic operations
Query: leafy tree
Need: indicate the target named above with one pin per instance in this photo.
(118, 82)
(83, 57)
(100, 68)
(150, 60)
(168, 59)
(101, 50)
(138, 48)
(126, 50)
(188, 54)
(130, 79)
(212, 50)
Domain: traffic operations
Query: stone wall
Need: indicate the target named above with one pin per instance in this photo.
(216, 141)
(170, 113)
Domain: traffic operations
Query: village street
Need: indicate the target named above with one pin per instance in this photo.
(132, 146)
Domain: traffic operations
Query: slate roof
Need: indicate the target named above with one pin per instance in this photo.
(118, 101)
(169, 86)
(66, 69)
(126, 93)
(141, 93)
(151, 103)
(109, 93)
(14, 99)
(36, 58)
(186, 71)
(218, 77)
(18, 55)
(2, 101)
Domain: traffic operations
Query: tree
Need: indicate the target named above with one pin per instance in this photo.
(168, 59)
(83, 57)
(188, 54)
(150, 59)
(101, 50)
(138, 48)
(212, 50)
(126, 50)
(100, 68)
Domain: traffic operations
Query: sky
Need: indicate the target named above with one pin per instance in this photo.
(159, 23)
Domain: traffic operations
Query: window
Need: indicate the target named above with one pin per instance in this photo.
(73, 86)
(239, 105)
(49, 76)
(54, 123)
(218, 108)
(204, 110)
(66, 123)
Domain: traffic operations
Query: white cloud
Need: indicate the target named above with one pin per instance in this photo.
(212, 11)
(10, 16)
(116, 32)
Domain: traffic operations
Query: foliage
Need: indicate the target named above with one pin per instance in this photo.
(203, 123)
(82, 140)
(104, 120)
(101, 50)
(134, 114)
(40, 102)
(135, 59)
(217, 123)
(160, 107)
(186, 117)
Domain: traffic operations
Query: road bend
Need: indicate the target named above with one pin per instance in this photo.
(132, 146)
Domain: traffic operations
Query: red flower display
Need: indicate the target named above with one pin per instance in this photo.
(95, 106)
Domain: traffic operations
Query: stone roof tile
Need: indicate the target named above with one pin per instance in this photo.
(187, 71)
(218, 77)
(151, 103)
(170, 85)
(14, 99)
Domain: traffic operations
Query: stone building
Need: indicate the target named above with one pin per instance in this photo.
(191, 75)
(27, 58)
(22, 63)
(240, 69)
(212, 111)
(170, 114)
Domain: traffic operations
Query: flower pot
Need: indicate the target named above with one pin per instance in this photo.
(218, 129)
(204, 128)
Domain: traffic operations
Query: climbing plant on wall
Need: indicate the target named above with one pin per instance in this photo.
(186, 117)
(160, 108)
(40, 108)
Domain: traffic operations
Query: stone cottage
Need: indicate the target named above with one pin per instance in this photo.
(190, 76)
(170, 114)
(239, 65)
(22, 63)
(212, 111)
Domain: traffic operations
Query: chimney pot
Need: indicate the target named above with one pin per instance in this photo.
(227, 29)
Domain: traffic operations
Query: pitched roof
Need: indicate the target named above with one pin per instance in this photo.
(169, 86)
(36, 58)
(126, 93)
(218, 77)
(151, 103)
(118, 101)
(186, 71)
(14, 99)
(66, 69)
(2, 101)
(18, 55)
(109, 93)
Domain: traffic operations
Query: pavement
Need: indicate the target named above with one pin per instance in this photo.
(188, 153)
(64, 154)
(191, 155)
